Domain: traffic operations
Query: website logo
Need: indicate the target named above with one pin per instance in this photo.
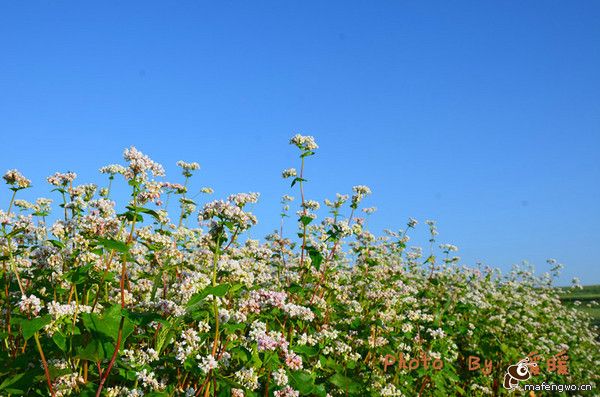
(517, 373)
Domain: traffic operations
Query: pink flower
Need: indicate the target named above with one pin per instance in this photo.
(293, 361)
(287, 392)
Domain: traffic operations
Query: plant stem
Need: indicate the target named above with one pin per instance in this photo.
(122, 285)
(106, 372)
(183, 204)
(44, 363)
(303, 214)
(215, 305)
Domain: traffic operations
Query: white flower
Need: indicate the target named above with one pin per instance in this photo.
(61, 179)
(293, 361)
(203, 326)
(280, 377)
(148, 379)
(436, 333)
(286, 392)
(139, 164)
(306, 143)
(301, 312)
(241, 199)
(224, 315)
(361, 190)
(390, 390)
(289, 172)
(449, 247)
(15, 178)
(188, 166)
(247, 378)
(57, 310)
(207, 363)
(30, 305)
(311, 205)
(227, 211)
(113, 169)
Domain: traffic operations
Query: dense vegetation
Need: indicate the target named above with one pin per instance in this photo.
(125, 299)
(585, 298)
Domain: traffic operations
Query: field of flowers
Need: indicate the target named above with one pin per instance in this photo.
(124, 299)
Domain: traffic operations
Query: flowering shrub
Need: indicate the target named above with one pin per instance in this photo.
(127, 301)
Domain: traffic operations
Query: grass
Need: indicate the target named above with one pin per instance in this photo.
(586, 296)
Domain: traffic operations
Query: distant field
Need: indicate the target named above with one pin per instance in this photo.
(586, 296)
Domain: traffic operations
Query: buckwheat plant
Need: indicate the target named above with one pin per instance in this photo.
(120, 299)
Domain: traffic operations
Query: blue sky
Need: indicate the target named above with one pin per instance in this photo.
(484, 116)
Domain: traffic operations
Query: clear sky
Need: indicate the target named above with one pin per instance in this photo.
(484, 116)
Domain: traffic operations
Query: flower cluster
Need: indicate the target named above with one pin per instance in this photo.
(61, 179)
(140, 164)
(116, 299)
(304, 142)
(16, 179)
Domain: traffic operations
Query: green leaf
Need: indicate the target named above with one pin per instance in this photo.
(217, 290)
(345, 383)
(30, 327)
(315, 256)
(240, 353)
(320, 391)
(143, 318)
(144, 211)
(224, 389)
(334, 233)
(329, 362)
(107, 324)
(10, 381)
(302, 381)
(128, 374)
(309, 351)
(306, 220)
(79, 275)
(295, 288)
(199, 314)
(113, 244)
(307, 153)
(165, 336)
(57, 244)
(270, 359)
(60, 340)
(236, 287)
(255, 358)
(231, 328)
(89, 390)
(95, 350)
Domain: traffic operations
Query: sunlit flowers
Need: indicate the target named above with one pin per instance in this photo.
(140, 164)
(304, 142)
(289, 172)
(61, 178)
(162, 291)
(16, 179)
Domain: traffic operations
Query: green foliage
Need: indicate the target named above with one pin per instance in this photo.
(136, 303)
